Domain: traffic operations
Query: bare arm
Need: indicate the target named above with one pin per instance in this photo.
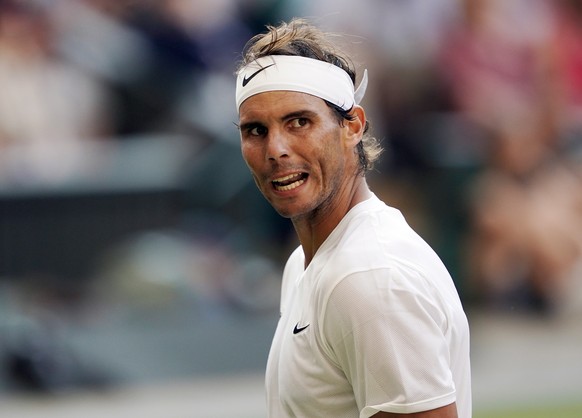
(449, 411)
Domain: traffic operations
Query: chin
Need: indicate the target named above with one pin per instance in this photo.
(284, 212)
(292, 213)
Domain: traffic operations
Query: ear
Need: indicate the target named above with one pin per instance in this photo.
(355, 128)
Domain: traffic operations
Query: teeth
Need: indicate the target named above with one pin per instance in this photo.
(290, 186)
(288, 182)
(282, 179)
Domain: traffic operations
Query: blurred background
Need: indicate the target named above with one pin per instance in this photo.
(139, 267)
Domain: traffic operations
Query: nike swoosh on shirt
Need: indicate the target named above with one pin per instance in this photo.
(298, 329)
(247, 79)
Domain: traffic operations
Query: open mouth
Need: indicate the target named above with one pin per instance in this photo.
(289, 182)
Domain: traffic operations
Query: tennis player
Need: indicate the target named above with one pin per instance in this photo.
(371, 323)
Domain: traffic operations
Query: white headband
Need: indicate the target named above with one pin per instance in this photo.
(301, 74)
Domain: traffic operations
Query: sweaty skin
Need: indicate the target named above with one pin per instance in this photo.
(295, 134)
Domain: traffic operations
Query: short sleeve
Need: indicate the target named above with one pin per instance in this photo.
(387, 330)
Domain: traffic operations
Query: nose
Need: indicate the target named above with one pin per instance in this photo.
(277, 146)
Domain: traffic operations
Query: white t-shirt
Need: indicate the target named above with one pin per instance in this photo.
(373, 324)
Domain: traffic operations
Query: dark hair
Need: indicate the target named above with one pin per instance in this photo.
(300, 38)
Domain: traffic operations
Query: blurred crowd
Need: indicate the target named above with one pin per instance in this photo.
(484, 95)
(478, 103)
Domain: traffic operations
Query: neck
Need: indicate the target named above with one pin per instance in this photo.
(312, 231)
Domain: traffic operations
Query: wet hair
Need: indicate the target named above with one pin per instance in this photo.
(298, 37)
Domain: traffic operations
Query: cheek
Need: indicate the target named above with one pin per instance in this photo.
(250, 154)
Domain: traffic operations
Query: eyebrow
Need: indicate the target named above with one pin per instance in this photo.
(299, 114)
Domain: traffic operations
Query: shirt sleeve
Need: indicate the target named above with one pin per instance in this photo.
(387, 330)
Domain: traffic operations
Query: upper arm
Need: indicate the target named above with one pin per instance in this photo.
(401, 331)
(449, 411)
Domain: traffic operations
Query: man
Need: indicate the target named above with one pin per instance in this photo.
(371, 323)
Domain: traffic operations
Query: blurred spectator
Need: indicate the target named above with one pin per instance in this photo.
(493, 64)
(95, 37)
(565, 54)
(47, 107)
(527, 222)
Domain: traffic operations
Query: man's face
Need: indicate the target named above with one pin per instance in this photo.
(296, 150)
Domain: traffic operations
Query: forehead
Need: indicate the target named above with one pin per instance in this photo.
(279, 103)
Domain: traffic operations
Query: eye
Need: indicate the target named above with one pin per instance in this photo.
(299, 122)
(256, 130)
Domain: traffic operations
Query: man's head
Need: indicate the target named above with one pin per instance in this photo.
(296, 56)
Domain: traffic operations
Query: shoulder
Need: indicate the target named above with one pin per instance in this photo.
(378, 238)
(381, 261)
(390, 290)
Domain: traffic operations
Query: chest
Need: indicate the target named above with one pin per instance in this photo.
(302, 375)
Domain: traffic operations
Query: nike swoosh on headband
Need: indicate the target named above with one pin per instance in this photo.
(246, 80)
